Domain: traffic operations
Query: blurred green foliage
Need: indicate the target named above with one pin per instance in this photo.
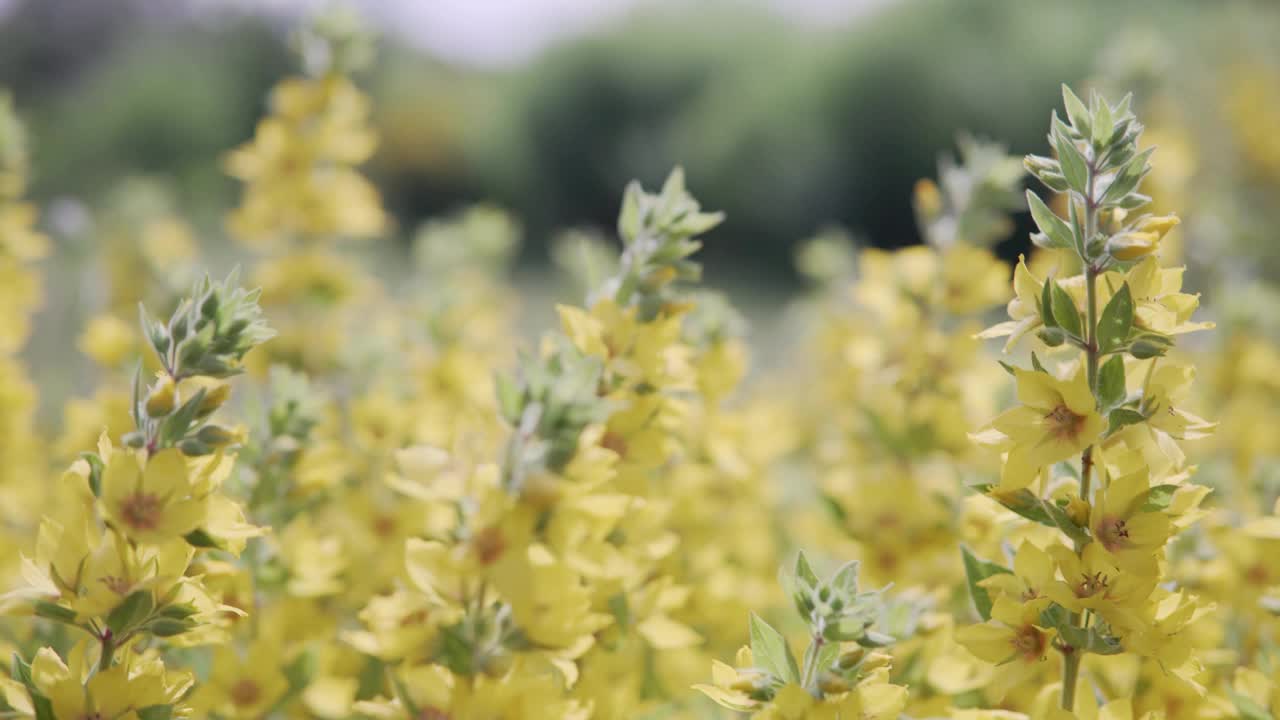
(787, 128)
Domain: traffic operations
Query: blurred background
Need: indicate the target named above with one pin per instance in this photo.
(789, 115)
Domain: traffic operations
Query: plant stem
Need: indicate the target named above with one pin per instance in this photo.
(1071, 655)
(108, 649)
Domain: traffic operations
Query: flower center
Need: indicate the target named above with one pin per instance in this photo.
(1063, 423)
(1091, 585)
(1029, 642)
(117, 585)
(141, 510)
(1113, 533)
(245, 692)
(489, 545)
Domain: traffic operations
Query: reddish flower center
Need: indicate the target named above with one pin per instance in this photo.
(1029, 642)
(489, 545)
(141, 511)
(245, 692)
(1113, 534)
(1064, 424)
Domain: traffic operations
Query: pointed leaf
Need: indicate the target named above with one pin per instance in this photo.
(769, 651)
(1111, 383)
(1116, 320)
(975, 571)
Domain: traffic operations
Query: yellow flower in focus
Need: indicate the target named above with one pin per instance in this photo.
(1012, 636)
(1130, 534)
(150, 501)
(1057, 420)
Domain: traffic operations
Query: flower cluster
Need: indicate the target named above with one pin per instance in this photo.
(409, 510)
(113, 553)
(1115, 401)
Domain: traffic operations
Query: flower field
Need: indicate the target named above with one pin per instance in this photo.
(969, 488)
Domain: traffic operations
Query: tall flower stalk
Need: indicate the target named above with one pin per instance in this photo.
(1109, 406)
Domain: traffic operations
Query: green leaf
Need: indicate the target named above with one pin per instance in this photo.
(55, 612)
(1074, 167)
(1116, 320)
(975, 571)
(769, 651)
(1111, 383)
(1121, 417)
(1102, 125)
(1058, 232)
(132, 611)
(1033, 507)
(1046, 304)
(301, 671)
(509, 397)
(1076, 111)
(20, 671)
(804, 572)
(845, 579)
(1158, 498)
(43, 707)
(1036, 364)
(1064, 309)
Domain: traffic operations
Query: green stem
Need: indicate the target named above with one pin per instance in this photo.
(1070, 673)
(108, 649)
(1071, 655)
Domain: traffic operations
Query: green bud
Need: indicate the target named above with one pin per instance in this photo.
(191, 447)
(168, 627)
(217, 436)
(1052, 336)
(134, 439)
(1145, 349)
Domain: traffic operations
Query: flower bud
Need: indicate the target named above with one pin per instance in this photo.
(217, 436)
(1145, 348)
(1078, 510)
(831, 684)
(162, 398)
(876, 660)
(1132, 245)
(1052, 336)
(214, 397)
(1158, 224)
(191, 447)
(850, 658)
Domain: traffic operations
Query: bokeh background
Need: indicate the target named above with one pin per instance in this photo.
(789, 115)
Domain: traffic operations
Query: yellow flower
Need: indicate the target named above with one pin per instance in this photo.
(1132, 536)
(1012, 636)
(120, 691)
(150, 501)
(1142, 239)
(108, 340)
(1092, 581)
(1023, 309)
(1032, 576)
(1057, 420)
(243, 687)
